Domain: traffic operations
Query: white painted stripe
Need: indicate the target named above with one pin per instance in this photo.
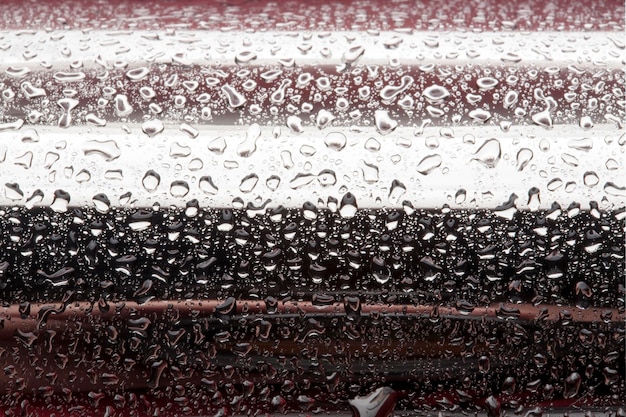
(57, 50)
(175, 156)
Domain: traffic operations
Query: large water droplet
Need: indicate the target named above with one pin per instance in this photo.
(370, 172)
(486, 83)
(138, 74)
(572, 385)
(460, 196)
(152, 127)
(60, 201)
(384, 123)
(524, 156)
(396, 191)
(348, 206)
(248, 146)
(436, 94)
(248, 183)
(615, 190)
(101, 203)
(122, 105)
(489, 153)
(207, 186)
(179, 188)
(324, 119)
(294, 123)
(233, 97)
(591, 179)
(429, 163)
(351, 55)
(390, 92)
(151, 180)
(335, 141)
(107, 149)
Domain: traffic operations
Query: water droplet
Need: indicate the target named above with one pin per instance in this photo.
(31, 92)
(586, 122)
(370, 172)
(335, 141)
(534, 200)
(68, 77)
(137, 74)
(17, 72)
(233, 97)
(486, 83)
(429, 163)
(611, 164)
(60, 201)
(351, 55)
(13, 192)
(122, 106)
(248, 146)
(286, 159)
(480, 115)
(248, 183)
(25, 160)
(542, 118)
(327, 177)
(308, 150)
(384, 123)
(191, 131)
(294, 123)
(179, 189)
(324, 119)
(390, 92)
(572, 385)
(489, 153)
(301, 180)
(524, 156)
(151, 181)
(92, 119)
(615, 190)
(102, 203)
(35, 198)
(147, 93)
(67, 105)
(570, 159)
(245, 57)
(510, 99)
(272, 182)
(436, 94)
(590, 179)
(348, 206)
(396, 191)
(460, 196)
(152, 127)
(217, 146)
(207, 186)
(107, 149)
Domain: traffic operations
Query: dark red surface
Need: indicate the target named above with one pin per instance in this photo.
(487, 15)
